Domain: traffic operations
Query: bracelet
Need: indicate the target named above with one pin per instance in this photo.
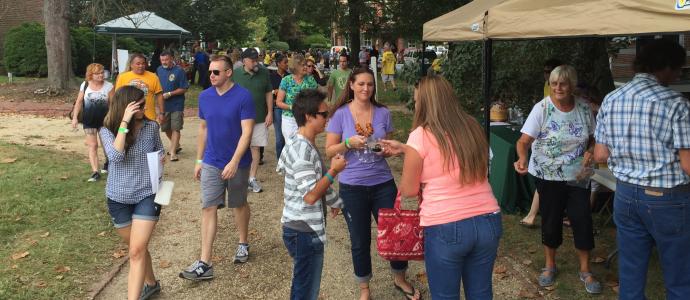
(330, 177)
(123, 130)
(123, 121)
(347, 143)
(290, 106)
(198, 161)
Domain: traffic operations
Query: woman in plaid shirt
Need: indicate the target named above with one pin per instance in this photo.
(127, 137)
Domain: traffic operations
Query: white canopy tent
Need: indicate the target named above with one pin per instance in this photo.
(142, 24)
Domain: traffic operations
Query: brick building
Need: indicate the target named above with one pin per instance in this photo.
(14, 13)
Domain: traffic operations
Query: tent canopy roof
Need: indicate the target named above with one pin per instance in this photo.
(142, 24)
(527, 19)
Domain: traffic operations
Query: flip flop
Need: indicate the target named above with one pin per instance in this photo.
(174, 158)
(408, 295)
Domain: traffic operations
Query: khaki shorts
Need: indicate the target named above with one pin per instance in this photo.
(259, 135)
(214, 188)
(173, 121)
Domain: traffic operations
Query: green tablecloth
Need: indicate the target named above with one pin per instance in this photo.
(514, 192)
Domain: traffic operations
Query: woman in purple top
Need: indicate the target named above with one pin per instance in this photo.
(366, 184)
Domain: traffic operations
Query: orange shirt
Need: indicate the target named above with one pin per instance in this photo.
(148, 82)
(445, 199)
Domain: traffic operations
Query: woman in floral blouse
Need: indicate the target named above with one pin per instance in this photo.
(290, 86)
(559, 129)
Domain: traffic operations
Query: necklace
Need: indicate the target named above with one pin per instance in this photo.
(368, 130)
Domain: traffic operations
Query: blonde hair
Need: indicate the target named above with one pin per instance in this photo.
(93, 69)
(297, 61)
(564, 72)
(459, 136)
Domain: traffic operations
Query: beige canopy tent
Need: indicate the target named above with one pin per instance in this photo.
(532, 19)
(528, 19)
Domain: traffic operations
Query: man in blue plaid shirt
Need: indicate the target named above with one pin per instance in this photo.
(643, 129)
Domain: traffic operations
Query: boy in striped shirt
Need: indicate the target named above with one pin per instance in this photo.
(307, 191)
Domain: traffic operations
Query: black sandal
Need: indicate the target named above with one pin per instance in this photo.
(408, 295)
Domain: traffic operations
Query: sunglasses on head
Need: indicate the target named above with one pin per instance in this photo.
(324, 114)
(216, 72)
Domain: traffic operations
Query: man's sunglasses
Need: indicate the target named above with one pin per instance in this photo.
(310, 66)
(216, 72)
(324, 114)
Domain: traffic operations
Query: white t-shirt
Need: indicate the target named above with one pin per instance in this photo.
(560, 139)
(92, 97)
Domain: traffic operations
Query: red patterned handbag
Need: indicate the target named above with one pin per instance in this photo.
(400, 238)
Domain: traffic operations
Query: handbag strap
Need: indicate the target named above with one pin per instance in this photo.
(398, 200)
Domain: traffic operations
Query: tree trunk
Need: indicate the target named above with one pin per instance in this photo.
(58, 46)
(354, 8)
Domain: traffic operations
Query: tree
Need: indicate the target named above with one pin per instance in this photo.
(355, 23)
(409, 16)
(58, 46)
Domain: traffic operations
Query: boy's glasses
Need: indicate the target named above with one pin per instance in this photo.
(324, 114)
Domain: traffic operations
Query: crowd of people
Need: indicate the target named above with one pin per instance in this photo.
(642, 130)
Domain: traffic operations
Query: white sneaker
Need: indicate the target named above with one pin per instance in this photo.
(254, 186)
(242, 254)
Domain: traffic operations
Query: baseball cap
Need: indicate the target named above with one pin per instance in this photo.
(250, 53)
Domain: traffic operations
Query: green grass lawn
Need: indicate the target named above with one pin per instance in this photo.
(524, 244)
(50, 215)
(15, 79)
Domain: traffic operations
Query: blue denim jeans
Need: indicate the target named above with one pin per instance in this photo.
(643, 220)
(280, 140)
(361, 203)
(306, 250)
(462, 250)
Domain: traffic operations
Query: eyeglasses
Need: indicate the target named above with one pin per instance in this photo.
(324, 114)
(310, 66)
(216, 72)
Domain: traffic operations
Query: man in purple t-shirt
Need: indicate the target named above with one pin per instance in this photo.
(227, 117)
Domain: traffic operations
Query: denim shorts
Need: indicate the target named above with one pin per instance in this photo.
(122, 214)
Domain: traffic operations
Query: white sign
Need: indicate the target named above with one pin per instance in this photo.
(122, 58)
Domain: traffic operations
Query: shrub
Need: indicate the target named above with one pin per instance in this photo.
(517, 76)
(25, 50)
(278, 45)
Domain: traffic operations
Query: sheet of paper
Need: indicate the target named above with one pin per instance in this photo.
(164, 193)
(155, 168)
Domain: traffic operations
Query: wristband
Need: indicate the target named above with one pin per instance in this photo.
(123, 121)
(198, 161)
(123, 130)
(290, 106)
(330, 177)
(347, 143)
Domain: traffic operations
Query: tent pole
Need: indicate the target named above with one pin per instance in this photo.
(486, 85)
(113, 60)
(421, 67)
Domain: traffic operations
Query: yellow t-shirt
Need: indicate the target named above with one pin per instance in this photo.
(547, 89)
(267, 59)
(436, 65)
(147, 82)
(388, 62)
